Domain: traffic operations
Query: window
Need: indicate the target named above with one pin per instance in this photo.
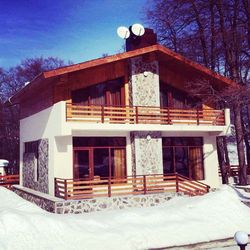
(106, 93)
(99, 157)
(175, 98)
(183, 155)
(32, 148)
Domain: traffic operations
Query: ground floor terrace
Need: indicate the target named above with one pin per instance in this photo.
(85, 165)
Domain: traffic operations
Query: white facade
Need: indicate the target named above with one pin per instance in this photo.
(51, 124)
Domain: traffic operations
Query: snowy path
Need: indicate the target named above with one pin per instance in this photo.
(182, 220)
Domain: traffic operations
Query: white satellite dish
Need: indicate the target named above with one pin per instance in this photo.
(123, 32)
(138, 29)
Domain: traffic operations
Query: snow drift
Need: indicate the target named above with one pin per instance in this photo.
(182, 220)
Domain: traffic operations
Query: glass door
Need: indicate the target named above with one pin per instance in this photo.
(168, 160)
(82, 164)
(101, 162)
(181, 161)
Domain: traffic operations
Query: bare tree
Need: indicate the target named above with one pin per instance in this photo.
(11, 81)
(215, 33)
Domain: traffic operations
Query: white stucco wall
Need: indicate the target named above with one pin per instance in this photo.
(43, 125)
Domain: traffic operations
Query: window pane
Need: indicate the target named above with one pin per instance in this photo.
(101, 162)
(182, 141)
(98, 141)
(81, 164)
(168, 163)
(181, 160)
(166, 141)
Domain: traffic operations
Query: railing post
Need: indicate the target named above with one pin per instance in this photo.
(177, 182)
(68, 110)
(55, 186)
(198, 116)
(226, 116)
(136, 115)
(102, 114)
(144, 184)
(109, 187)
(66, 189)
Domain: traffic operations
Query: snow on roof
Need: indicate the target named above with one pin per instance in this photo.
(4, 163)
(182, 220)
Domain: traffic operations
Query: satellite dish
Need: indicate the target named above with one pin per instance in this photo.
(138, 29)
(123, 32)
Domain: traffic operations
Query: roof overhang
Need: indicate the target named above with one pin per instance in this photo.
(162, 52)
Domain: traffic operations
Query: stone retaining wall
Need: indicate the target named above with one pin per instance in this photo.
(119, 202)
(45, 203)
(60, 206)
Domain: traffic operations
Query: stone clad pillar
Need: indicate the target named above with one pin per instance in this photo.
(145, 91)
(145, 87)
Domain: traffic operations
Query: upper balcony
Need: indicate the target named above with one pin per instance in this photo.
(144, 115)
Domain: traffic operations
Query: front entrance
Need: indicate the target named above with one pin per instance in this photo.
(94, 160)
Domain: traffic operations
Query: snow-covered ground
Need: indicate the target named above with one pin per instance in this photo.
(182, 220)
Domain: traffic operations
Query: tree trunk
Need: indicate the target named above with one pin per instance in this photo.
(222, 163)
(212, 43)
(240, 145)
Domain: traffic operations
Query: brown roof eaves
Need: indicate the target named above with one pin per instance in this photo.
(117, 57)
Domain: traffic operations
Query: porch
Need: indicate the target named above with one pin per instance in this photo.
(144, 115)
(74, 189)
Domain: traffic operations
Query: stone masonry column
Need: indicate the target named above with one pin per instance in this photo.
(145, 91)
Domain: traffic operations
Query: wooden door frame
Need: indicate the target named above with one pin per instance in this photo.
(91, 158)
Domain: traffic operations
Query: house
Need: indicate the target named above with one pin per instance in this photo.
(120, 125)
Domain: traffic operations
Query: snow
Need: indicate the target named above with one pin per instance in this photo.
(182, 220)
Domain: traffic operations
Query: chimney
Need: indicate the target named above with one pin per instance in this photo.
(136, 42)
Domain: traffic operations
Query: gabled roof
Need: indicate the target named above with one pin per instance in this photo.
(159, 49)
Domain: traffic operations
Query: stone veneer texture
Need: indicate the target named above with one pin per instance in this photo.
(119, 202)
(29, 167)
(147, 153)
(45, 204)
(145, 83)
(94, 205)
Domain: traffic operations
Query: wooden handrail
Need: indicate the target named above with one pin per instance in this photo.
(144, 115)
(130, 185)
(9, 180)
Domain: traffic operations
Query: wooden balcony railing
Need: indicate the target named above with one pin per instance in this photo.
(144, 115)
(8, 180)
(138, 185)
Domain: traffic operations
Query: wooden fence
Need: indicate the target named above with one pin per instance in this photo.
(8, 180)
(138, 185)
(144, 115)
(233, 170)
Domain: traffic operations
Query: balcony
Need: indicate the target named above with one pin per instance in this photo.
(70, 189)
(144, 115)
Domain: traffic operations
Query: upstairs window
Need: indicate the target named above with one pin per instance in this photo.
(106, 93)
(175, 98)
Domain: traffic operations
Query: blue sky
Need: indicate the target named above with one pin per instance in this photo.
(76, 30)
